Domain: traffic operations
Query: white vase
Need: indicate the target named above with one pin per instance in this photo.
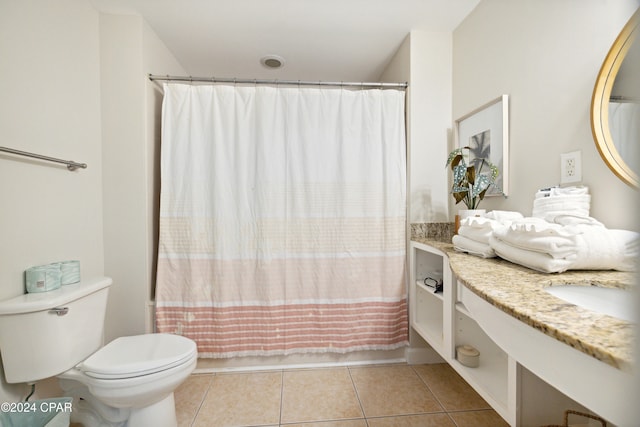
(466, 213)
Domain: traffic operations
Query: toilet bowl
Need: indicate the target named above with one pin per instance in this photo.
(130, 379)
(128, 382)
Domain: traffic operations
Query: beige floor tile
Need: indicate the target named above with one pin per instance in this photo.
(189, 396)
(488, 418)
(427, 420)
(392, 390)
(242, 400)
(449, 388)
(318, 395)
(346, 423)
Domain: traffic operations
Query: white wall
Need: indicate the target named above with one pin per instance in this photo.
(50, 104)
(74, 86)
(131, 116)
(546, 55)
(424, 60)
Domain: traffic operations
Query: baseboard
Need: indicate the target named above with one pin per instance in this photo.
(422, 355)
(301, 361)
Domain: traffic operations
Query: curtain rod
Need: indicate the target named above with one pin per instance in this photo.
(379, 85)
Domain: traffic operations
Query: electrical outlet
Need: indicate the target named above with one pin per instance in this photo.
(571, 167)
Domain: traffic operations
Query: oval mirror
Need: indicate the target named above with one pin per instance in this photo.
(615, 106)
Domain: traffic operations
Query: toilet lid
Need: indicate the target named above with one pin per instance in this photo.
(138, 355)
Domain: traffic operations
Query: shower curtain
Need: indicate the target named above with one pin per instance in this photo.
(282, 219)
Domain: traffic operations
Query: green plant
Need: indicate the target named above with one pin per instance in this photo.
(470, 181)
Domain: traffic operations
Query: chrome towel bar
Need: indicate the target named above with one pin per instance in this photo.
(71, 165)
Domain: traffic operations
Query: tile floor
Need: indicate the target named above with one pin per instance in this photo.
(373, 396)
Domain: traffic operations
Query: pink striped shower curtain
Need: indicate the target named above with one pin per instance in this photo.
(282, 219)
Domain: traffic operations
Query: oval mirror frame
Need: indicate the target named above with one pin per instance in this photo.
(600, 103)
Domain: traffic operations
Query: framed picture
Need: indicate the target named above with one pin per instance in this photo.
(485, 131)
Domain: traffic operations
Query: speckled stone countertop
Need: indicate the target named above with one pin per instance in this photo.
(519, 292)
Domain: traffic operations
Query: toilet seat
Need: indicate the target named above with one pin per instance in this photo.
(138, 355)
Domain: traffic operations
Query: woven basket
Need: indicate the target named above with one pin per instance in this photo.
(582, 414)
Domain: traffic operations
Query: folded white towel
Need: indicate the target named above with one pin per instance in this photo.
(562, 201)
(604, 249)
(503, 216)
(534, 260)
(567, 200)
(481, 228)
(577, 205)
(540, 236)
(597, 248)
(477, 228)
(472, 247)
(572, 219)
(562, 191)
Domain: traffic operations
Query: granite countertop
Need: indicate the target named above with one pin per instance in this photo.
(519, 292)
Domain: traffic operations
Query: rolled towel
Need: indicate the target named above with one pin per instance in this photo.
(472, 247)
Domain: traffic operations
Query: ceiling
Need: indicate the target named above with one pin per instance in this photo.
(329, 40)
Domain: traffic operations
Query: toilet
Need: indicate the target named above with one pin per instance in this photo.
(128, 382)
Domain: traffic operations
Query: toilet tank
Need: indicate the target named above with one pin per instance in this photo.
(45, 334)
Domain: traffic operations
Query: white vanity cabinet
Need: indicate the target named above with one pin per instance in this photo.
(445, 322)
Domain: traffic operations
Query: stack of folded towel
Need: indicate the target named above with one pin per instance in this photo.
(563, 239)
(553, 201)
(569, 243)
(474, 232)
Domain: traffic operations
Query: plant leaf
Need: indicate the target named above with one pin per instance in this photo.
(471, 174)
(458, 197)
(455, 153)
(459, 174)
(482, 183)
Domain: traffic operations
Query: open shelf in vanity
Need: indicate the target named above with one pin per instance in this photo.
(443, 321)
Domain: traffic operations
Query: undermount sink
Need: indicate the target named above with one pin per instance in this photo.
(616, 302)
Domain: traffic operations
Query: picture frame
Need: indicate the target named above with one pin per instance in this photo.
(486, 131)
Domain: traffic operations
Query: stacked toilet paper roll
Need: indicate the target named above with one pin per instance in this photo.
(43, 278)
(70, 272)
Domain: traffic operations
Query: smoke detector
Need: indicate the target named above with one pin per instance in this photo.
(272, 61)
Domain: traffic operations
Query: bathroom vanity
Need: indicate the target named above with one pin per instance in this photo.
(539, 354)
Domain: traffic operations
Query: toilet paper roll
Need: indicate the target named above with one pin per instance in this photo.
(70, 272)
(43, 278)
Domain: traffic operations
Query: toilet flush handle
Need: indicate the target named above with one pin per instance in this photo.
(59, 311)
